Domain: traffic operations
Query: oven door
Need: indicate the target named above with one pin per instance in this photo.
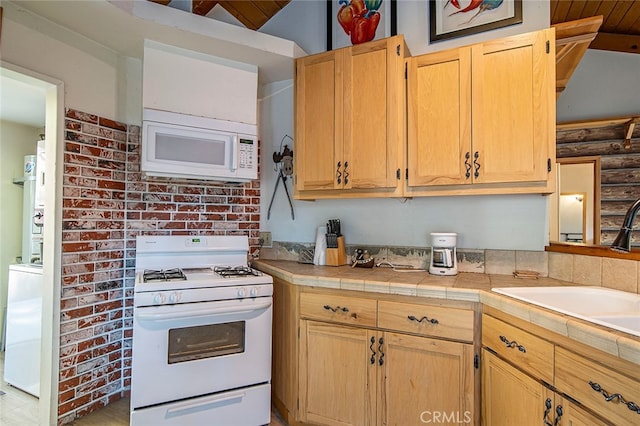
(186, 350)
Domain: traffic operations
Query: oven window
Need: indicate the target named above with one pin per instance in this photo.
(205, 341)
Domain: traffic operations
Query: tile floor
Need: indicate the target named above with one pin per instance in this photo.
(18, 408)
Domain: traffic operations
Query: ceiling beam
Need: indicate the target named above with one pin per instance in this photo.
(616, 42)
(202, 7)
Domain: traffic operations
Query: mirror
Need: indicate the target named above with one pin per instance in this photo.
(572, 217)
(575, 206)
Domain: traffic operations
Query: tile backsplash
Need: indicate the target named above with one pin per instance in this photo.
(619, 274)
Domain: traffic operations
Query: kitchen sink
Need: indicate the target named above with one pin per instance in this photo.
(628, 323)
(617, 309)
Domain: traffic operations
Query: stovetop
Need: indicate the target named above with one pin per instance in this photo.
(204, 277)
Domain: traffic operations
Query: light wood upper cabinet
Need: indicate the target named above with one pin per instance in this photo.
(350, 121)
(513, 107)
(482, 116)
(318, 93)
(439, 118)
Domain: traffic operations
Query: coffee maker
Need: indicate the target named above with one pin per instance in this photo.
(443, 253)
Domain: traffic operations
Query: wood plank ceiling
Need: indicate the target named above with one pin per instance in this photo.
(620, 30)
(253, 14)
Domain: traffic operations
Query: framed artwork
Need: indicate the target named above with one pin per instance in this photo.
(351, 22)
(457, 18)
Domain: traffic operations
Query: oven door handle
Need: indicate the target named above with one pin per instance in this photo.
(175, 411)
(198, 313)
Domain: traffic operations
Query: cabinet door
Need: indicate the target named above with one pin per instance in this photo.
(426, 381)
(318, 133)
(513, 107)
(439, 118)
(510, 397)
(373, 104)
(337, 377)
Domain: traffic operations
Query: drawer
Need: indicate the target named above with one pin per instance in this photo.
(524, 350)
(427, 320)
(577, 377)
(342, 309)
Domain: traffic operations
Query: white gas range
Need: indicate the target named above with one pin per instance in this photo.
(201, 333)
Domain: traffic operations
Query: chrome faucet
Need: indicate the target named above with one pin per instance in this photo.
(622, 243)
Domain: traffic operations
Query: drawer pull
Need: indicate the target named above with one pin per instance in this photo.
(432, 320)
(373, 352)
(615, 396)
(513, 344)
(337, 308)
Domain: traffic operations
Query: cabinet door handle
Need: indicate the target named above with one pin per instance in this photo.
(615, 396)
(339, 173)
(547, 409)
(346, 172)
(467, 164)
(373, 352)
(381, 359)
(513, 344)
(559, 414)
(431, 320)
(337, 308)
(476, 155)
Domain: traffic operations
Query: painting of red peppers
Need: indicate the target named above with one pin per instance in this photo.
(458, 18)
(359, 21)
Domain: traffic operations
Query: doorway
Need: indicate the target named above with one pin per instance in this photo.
(47, 93)
(574, 209)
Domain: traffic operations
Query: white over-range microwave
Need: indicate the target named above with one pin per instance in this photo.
(187, 146)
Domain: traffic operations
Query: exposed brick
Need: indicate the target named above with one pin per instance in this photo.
(112, 124)
(73, 404)
(102, 190)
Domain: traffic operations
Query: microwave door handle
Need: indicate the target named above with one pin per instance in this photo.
(234, 152)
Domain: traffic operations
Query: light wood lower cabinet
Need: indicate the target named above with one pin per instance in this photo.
(337, 381)
(356, 376)
(512, 397)
(425, 381)
(529, 373)
(362, 360)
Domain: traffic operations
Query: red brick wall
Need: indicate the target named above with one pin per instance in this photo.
(106, 204)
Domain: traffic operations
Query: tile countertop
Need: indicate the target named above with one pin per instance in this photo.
(464, 286)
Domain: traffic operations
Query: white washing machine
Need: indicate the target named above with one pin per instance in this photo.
(24, 329)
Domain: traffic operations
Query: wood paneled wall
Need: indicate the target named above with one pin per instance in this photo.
(620, 168)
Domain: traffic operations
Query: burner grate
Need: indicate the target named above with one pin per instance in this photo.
(235, 271)
(163, 275)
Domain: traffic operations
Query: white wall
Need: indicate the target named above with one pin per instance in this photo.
(304, 21)
(605, 84)
(16, 141)
(93, 75)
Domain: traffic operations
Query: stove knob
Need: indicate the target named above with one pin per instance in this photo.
(159, 299)
(241, 292)
(174, 297)
(254, 292)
